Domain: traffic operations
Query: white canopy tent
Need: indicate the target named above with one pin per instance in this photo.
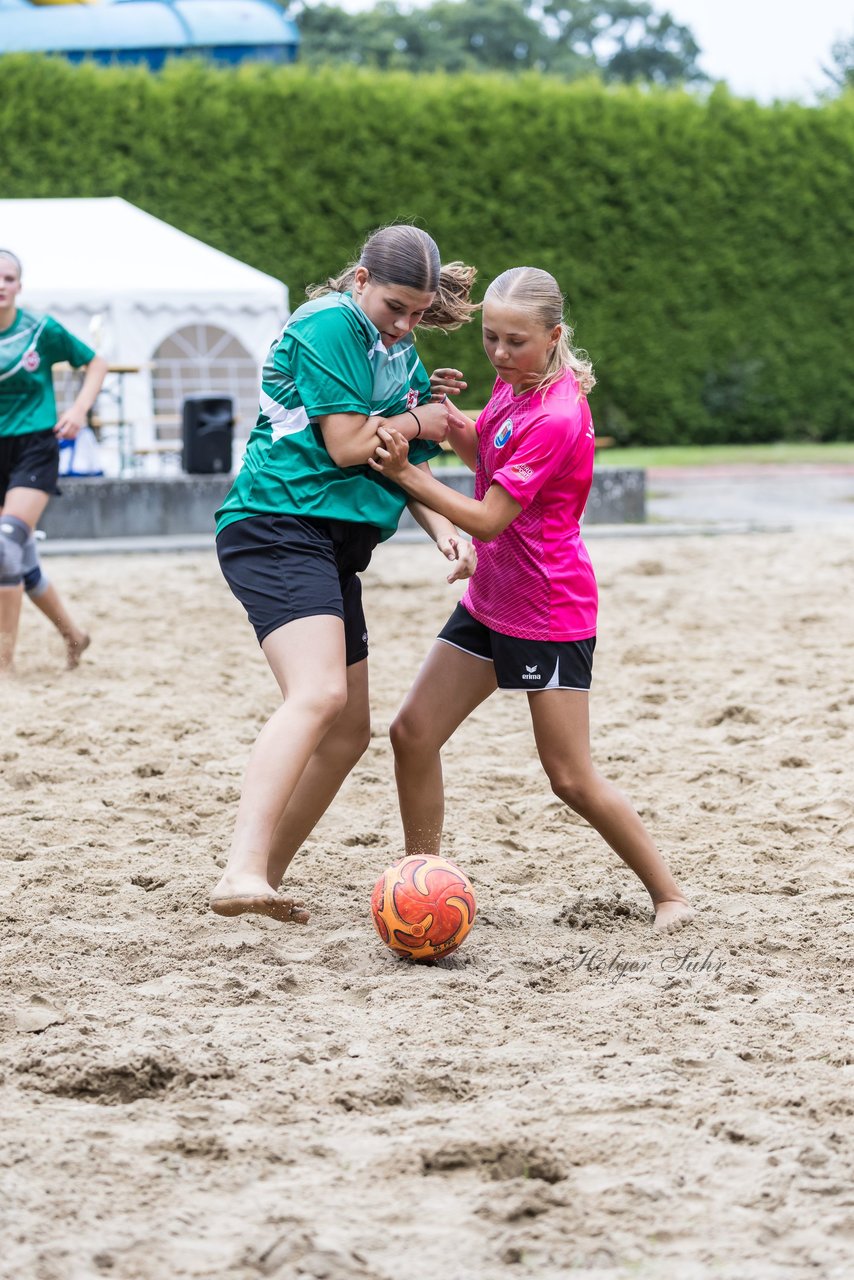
(145, 295)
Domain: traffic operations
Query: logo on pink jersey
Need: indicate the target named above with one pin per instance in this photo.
(31, 360)
(522, 471)
(503, 434)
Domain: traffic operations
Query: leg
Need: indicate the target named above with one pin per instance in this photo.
(25, 507)
(335, 757)
(10, 613)
(307, 658)
(447, 689)
(562, 735)
(46, 598)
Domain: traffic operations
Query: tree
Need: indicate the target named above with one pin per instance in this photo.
(841, 71)
(617, 39)
(626, 38)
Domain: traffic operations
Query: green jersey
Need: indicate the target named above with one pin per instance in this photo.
(329, 359)
(28, 350)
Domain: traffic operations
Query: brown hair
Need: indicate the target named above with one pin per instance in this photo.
(405, 255)
(537, 292)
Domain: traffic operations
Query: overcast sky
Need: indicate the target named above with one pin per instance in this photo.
(766, 48)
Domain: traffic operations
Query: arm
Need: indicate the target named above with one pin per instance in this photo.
(446, 537)
(351, 438)
(71, 421)
(484, 520)
(462, 437)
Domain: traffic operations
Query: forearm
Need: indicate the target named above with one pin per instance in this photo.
(463, 441)
(360, 442)
(92, 382)
(434, 524)
(465, 513)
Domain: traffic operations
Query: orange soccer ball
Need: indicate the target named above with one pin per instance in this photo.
(423, 907)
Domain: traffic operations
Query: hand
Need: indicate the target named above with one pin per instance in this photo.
(69, 425)
(460, 551)
(391, 458)
(434, 418)
(446, 382)
(457, 419)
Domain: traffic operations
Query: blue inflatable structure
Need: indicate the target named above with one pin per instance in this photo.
(150, 31)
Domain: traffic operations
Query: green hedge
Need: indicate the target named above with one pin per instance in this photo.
(705, 247)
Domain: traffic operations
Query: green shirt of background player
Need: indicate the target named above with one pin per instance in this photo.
(302, 519)
(30, 431)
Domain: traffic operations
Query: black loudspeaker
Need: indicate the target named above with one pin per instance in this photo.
(207, 430)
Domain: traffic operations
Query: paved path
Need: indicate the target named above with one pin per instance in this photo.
(791, 496)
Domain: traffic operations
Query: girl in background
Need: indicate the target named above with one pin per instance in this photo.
(30, 431)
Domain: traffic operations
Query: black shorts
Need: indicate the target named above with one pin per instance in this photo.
(286, 567)
(29, 461)
(523, 664)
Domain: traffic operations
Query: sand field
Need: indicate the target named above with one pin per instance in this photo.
(569, 1094)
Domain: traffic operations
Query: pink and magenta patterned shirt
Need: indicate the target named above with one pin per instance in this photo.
(535, 580)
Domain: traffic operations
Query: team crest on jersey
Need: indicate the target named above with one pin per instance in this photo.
(522, 471)
(411, 398)
(31, 360)
(503, 434)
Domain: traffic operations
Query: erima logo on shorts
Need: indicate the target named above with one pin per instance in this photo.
(503, 434)
(528, 676)
(31, 360)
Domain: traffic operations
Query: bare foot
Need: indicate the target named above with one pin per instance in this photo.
(75, 647)
(253, 896)
(672, 915)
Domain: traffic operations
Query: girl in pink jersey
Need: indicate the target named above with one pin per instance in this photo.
(528, 618)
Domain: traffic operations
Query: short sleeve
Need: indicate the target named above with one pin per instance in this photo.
(542, 453)
(59, 344)
(327, 359)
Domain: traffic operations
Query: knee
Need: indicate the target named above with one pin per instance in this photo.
(14, 535)
(324, 703)
(35, 580)
(356, 743)
(574, 790)
(406, 734)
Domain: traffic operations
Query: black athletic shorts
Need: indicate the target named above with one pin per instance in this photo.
(522, 664)
(286, 567)
(29, 461)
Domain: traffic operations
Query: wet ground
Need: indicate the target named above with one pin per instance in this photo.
(756, 496)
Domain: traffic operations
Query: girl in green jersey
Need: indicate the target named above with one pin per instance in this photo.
(302, 519)
(30, 431)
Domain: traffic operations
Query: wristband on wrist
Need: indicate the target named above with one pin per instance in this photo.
(418, 420)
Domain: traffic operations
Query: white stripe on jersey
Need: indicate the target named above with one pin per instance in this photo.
(283, 422)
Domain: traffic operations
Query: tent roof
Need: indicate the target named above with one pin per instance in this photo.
(74, 251)
(146, 24)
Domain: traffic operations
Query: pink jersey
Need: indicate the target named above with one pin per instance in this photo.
(535, 580)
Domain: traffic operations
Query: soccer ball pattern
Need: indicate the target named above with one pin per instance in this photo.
(423, 907)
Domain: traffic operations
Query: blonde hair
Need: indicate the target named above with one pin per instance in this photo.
(538, 293)
(7, 253)
(405, 255)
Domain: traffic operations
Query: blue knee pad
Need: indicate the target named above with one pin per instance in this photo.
(35, 580)
(13, 536)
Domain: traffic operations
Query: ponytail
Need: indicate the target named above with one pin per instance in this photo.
(405, 255)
